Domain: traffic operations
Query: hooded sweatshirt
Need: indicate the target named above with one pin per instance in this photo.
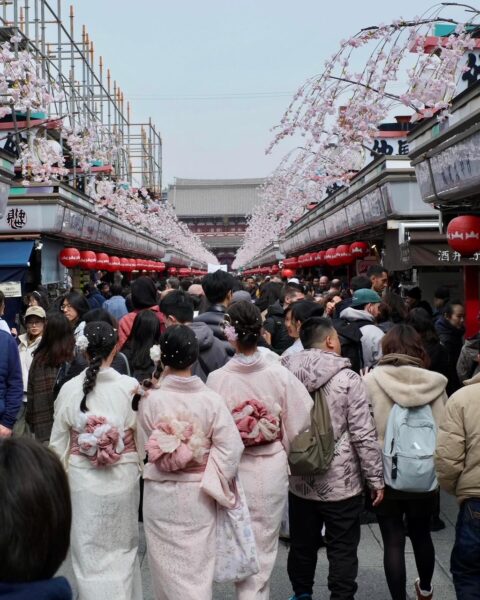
(399, 379)
(213, 353)
(458, 451)
(50, 589)
(357, 453)
(371, 334)
(144, 296)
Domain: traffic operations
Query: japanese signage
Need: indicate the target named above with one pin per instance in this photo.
(418, 255)
(11, 289)
(469, 71)
(16, 218)
(390, 147)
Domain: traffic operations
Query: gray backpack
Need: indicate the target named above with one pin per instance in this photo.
(409, 448)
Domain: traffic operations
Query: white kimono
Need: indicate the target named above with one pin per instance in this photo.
(195, 444)
(105, 499)
(263, 469)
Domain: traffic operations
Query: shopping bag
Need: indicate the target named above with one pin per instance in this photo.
(236, 550)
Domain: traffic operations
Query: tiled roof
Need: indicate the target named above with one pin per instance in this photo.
(214, 197)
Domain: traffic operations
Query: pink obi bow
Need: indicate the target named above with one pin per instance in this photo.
(103, 443)
(256, 424)
(177, 445)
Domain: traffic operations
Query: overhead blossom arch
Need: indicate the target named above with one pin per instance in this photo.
(380, 70)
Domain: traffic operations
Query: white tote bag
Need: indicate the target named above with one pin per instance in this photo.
(236, 550)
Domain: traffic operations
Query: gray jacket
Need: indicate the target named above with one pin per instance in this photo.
(213, 353)
(371, 335)
(357, 453)
(467, 364)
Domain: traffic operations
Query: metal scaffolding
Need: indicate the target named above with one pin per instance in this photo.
(90, 96)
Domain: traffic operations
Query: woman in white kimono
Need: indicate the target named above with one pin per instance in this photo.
(94, 434)
(194, 449)
(271, 407)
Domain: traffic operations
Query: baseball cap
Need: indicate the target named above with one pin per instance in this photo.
(294, 280)
(364, 296)
(35, 311)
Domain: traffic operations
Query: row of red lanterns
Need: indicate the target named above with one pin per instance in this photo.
(463, 234)
(344, 254)
(87, 259)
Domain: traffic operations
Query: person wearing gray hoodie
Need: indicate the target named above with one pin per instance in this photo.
(334, 499)
(213, 353)
(363, 313)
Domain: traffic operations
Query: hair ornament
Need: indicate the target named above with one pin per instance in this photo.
(82, 343)
(230, 333)
(155, 353)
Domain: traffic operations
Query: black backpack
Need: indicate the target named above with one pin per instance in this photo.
(350, 336)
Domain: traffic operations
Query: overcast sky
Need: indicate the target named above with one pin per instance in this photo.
(216, 75)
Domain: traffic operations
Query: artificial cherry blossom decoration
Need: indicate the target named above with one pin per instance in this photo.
(335, 115)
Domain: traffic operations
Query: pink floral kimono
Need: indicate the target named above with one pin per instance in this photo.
(193, 451)
(270, 407)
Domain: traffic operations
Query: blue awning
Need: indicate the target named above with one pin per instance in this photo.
(15, 254)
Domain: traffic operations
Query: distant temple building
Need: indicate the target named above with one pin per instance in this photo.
(217, 210)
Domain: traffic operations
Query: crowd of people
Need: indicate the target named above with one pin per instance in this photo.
(182, 403)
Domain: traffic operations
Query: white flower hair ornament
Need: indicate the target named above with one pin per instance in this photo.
(82, 343)
(155, 353)
(230, 333)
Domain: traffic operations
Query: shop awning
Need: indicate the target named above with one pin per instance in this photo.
(15, 254)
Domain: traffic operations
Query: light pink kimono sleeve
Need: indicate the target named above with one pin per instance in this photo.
(296, 405)
(224, 458)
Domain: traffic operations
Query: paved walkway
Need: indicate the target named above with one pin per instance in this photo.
(371, 579)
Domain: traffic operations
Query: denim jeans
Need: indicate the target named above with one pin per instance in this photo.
(465, 561)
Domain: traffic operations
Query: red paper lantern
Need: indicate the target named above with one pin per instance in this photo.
(288, 273)
(114, 263)
(161, 267)
(88, 260)
(125, 265)
(331, 257)
(133, 264)
(69, 257)
(359, 249)
(344, 255)
(291, 263)
(184, 272)
(172, 271)
(320, 258)
(102, 261)
(275, 269)
(463, 234)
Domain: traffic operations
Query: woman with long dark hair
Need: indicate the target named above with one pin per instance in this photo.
(145, 334)
(271, 407)
(94, 434)
(401, 378)
(193, 450)
(74, 306)
(50, 362)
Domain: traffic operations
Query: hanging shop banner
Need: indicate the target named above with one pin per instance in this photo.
(431, 255)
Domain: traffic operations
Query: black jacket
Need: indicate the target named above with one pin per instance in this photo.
(275, 325)
(452, 339)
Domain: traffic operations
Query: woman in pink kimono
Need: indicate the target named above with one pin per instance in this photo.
(271, 407)
(194, 449)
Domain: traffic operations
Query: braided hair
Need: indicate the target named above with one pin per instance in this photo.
(179, 350)
(246, 319)
(102, 339)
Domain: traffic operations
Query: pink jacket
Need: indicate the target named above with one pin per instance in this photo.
(357, 454)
